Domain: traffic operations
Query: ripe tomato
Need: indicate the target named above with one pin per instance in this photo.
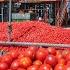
(7, 59)
(25, 62)
(51, 60)
(61, 61)
(59, 67)
(59, 54)
(45, 67)
(37, 62)
(41, 54)
(65, 53)
(21, 55)
(14, 54)
(0, 58)
(68, 57)
(30, 53)
(9, 69)
(3, 66)
(68, 63)
(33, 67)
(51, 50)
(67, 67)
(33, 48)
(21, 69)
(14, 65)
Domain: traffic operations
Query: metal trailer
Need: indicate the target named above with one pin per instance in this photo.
(9, 42)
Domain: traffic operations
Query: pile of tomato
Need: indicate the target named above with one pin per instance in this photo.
(35, 58)
(35, 31)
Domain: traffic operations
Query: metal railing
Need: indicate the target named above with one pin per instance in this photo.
(34, 44)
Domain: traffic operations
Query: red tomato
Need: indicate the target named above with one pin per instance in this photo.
(14, 54)
(21, 55)
(3, 66)
(65, 53)
(37, 62)
(7, 59)
(51, 50)
(67, 66)
(14, 65)
(30, 53)
(45, 67)
(21, 69)
(68, 63)
(33, 67)
(59, 67)
(9, 69)
(0, 58)
(61, 61)
(41, 54)
(25, 62)
(59, 54)
(33, 48)
(68, 57)
(51, 60)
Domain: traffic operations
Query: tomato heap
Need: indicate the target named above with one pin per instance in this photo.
(35, 31)
(34, 58)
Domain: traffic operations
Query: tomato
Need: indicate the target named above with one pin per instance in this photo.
(9, 69)
(68, 57)
(33, 48)
(37, 62)
(3, 66)
(45, 67)
(51, 60)
(30, 53)
(41, 54)
(62, 61)
(68, 63)
(21, 69)
(67, 67)
(33, 67)
(14, 65)
(7, 59)
(14, 54)
(0, 58)
(59, 54)
(65, 53)
(25, 62)
(51, 50)
(21, 55)
(59, 67)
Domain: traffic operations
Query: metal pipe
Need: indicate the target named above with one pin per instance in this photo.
(10, 2)
(2, 13)
(34, 44)
(9, 24)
